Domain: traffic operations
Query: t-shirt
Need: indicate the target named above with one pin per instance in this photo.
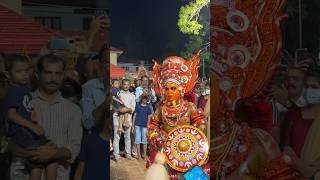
(95, 153)
(18, 97)
(142, 113)
(116, 93)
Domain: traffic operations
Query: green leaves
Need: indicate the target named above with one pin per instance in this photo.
(189, 15)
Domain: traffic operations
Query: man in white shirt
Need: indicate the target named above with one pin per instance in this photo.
(129, 101)
(145, 89)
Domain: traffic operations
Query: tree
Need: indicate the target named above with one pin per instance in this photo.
(194, 21)
(189, 15)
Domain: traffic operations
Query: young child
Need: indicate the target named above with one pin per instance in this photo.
(23, 128)
(140, 120)
(94, 156)
(118, 105)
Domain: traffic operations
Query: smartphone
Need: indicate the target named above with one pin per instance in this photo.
(60, 44)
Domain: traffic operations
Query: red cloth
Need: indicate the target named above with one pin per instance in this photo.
(202, 102)
(264, 119)
(191, 97)
(298, 130)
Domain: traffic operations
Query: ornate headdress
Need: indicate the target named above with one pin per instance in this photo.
(176, 69)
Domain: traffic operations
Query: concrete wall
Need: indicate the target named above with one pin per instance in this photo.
(113, 58)
(14, 5)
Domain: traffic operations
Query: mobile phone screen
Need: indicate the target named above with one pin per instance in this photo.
(62, 44)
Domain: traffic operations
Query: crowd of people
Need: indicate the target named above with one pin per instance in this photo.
(133, 102)
(54, 113)
(291, 115)
(297, 104)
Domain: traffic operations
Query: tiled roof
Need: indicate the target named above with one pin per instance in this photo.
(116, 72)
(18, 32)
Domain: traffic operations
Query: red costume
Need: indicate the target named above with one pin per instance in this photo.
(175, 78)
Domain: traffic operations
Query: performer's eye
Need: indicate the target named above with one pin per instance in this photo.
(167, 88)
(173, 88)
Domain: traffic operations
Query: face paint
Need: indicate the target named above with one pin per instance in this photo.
(172, 93)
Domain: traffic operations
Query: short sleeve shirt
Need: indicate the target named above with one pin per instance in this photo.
(142, 113)
(116, 93)
(20, 98)
(95, 153)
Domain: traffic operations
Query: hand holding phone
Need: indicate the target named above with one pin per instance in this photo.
(62, 44)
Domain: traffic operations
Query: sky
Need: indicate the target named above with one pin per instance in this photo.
(146, 29)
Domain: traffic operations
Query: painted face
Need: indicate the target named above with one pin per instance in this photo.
(172, 92)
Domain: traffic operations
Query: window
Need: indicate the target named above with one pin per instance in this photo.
(50, 22)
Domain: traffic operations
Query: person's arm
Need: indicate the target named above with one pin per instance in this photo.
(16, 118)
(79, 171)
(133, 122)
(153, 96)
(88, 106)
(132, 105)
(138, 93)
(116, 99)
(99, 113)
(68, 151)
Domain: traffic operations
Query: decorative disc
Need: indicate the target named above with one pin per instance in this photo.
(185, 147)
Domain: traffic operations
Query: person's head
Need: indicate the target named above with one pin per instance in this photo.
(125, 84)
(144, 99)
(50, 73)
(116, 83)
(313, 79)
(18, 68)
(138, 82)
(144, 81)
(132, 83)
(295, 81)
(172, 92)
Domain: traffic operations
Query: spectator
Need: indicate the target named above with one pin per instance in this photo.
(5, 157)
(118, 105)
(140, 122)
(93, 100)
(286, 96)
(94, 161)
(301, 130)
(60, 118)
(146, 89)
(24, 129)
(203, 97)
(129, 101)
(132, 88)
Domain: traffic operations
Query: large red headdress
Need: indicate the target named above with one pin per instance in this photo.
(176, 69)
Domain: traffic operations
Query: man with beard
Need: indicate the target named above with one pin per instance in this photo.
(147, 90)
(129, 101)
(287, 96)
(300, 130)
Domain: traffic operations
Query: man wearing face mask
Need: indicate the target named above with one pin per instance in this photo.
(301, 133)
(290, 94)
(204, 96)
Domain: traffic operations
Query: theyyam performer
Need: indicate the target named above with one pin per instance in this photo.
(178, 146)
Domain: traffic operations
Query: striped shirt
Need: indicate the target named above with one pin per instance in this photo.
(61, 120)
